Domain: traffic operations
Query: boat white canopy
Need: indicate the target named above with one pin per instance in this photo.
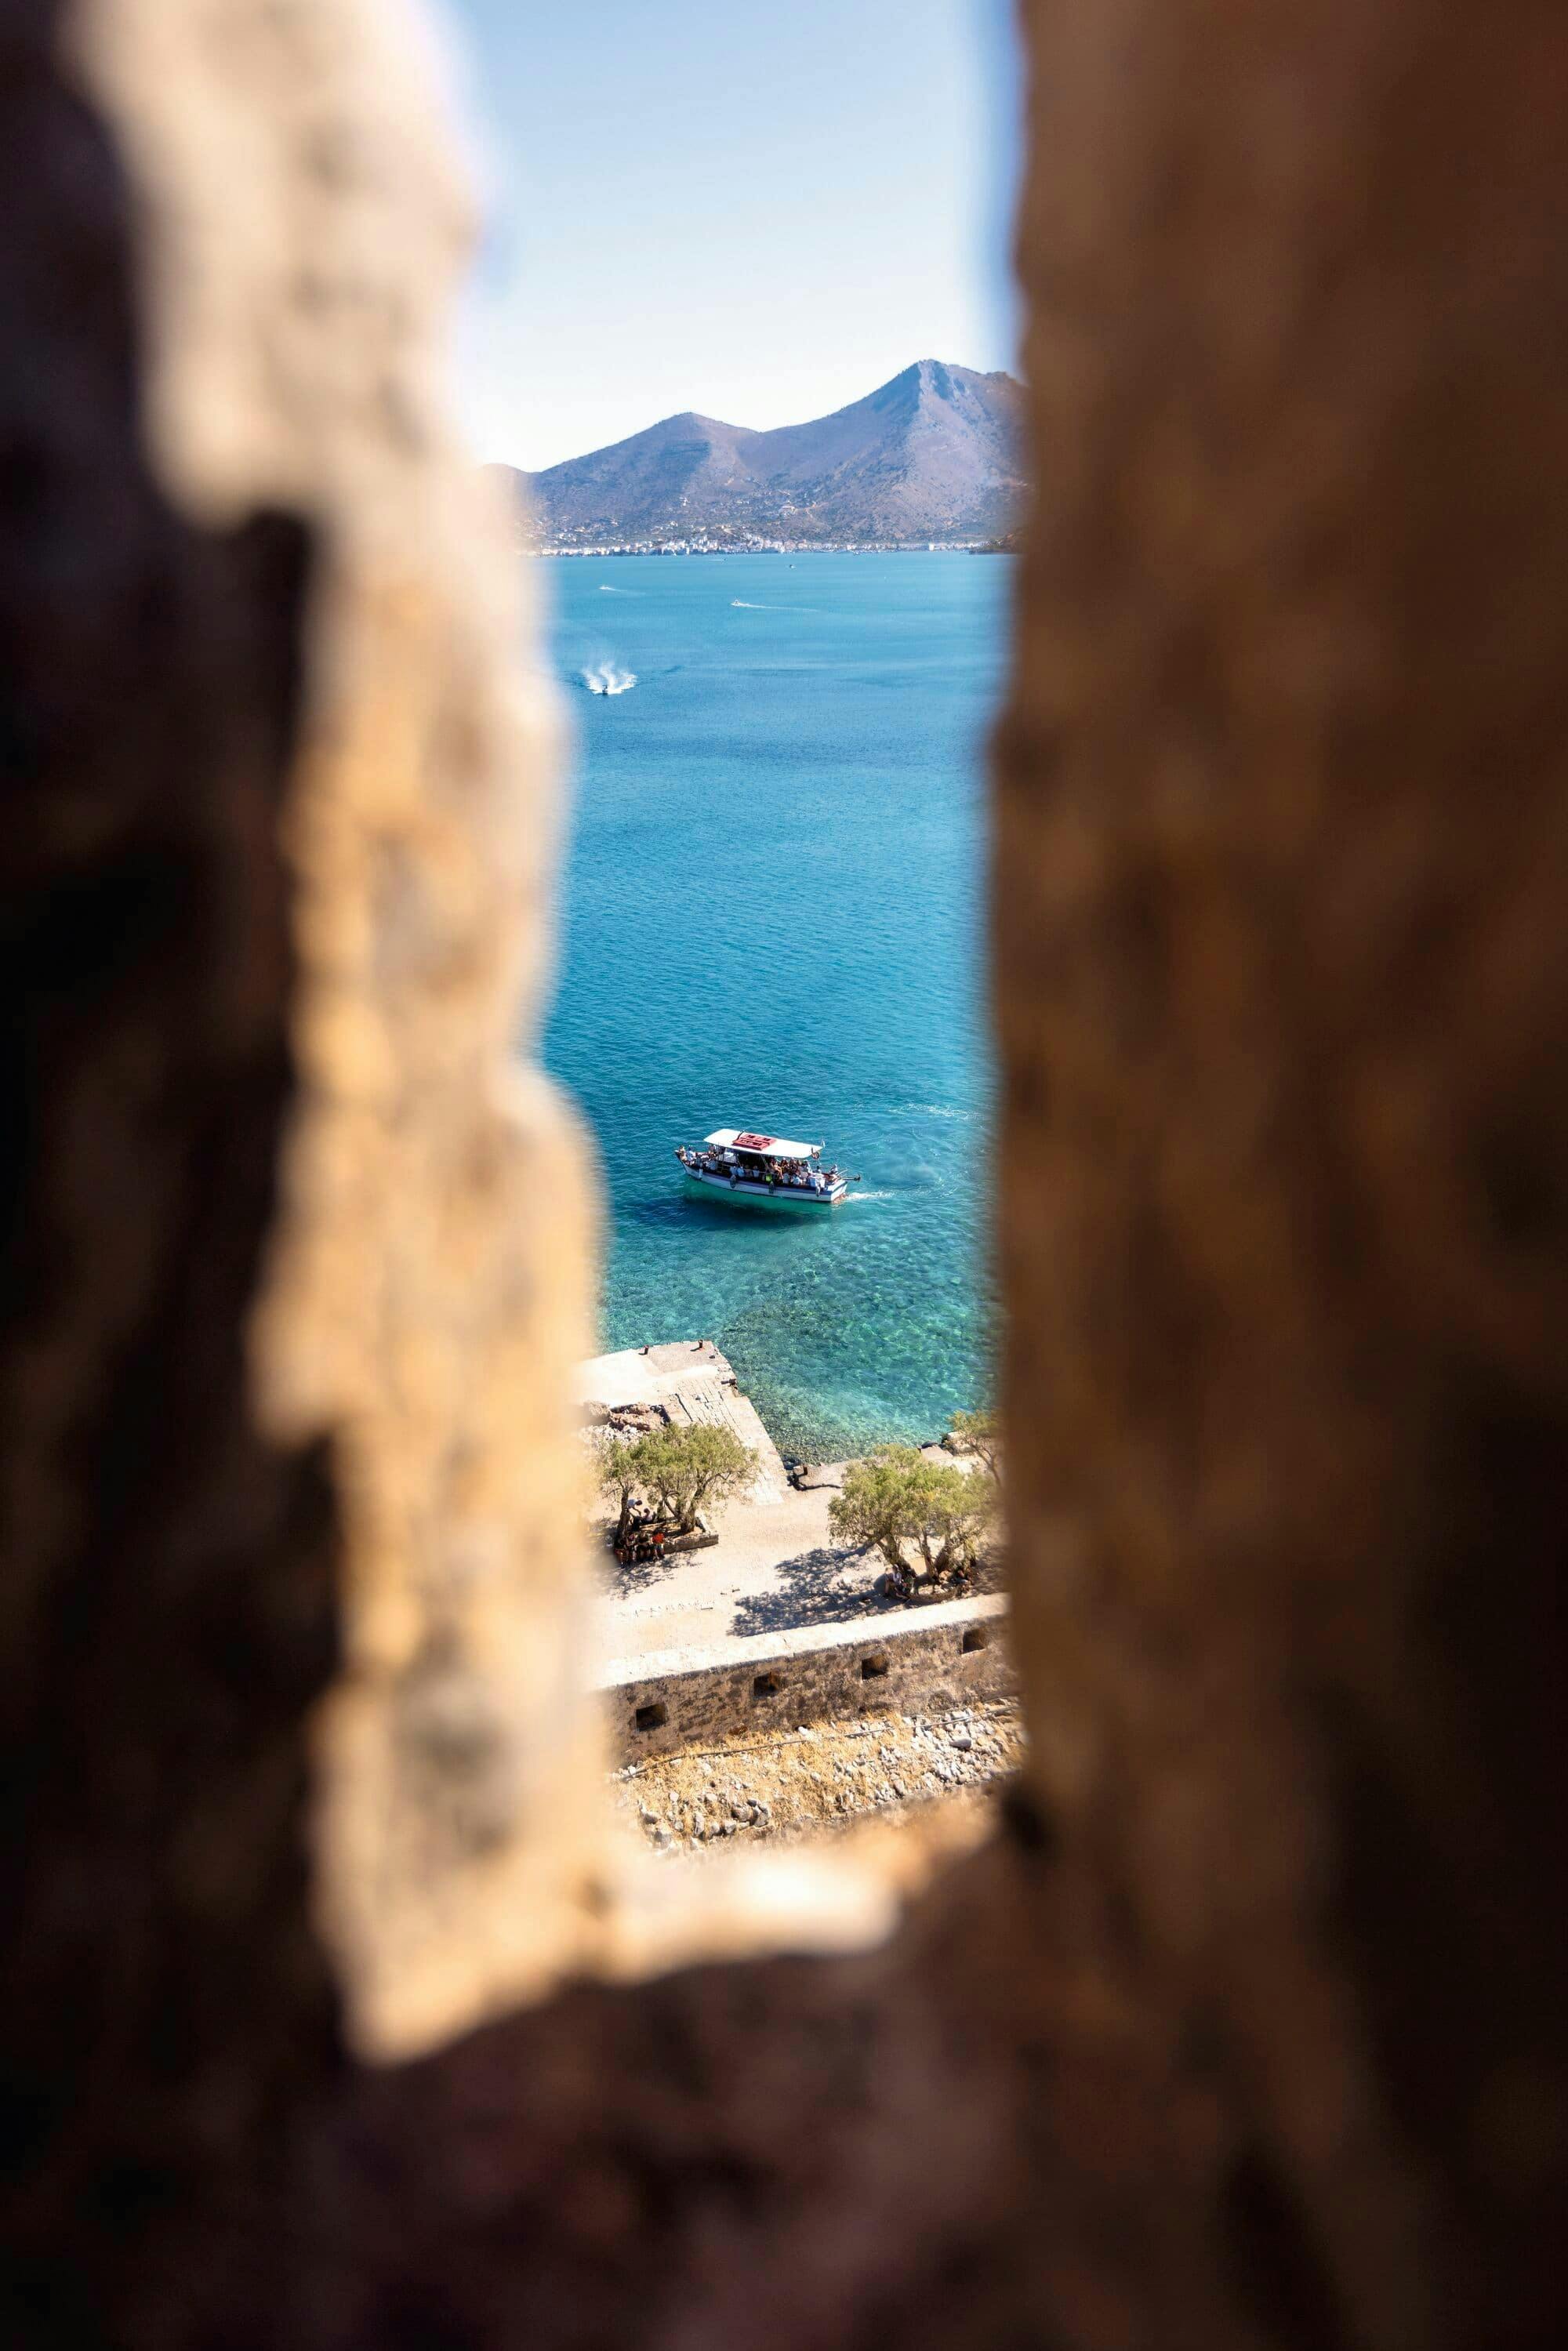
(763, 1146)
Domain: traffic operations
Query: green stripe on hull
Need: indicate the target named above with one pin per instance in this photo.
(733, 1195)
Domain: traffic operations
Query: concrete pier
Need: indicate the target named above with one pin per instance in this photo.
(690, 1380)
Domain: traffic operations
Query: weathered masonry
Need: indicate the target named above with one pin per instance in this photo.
(918, 1661)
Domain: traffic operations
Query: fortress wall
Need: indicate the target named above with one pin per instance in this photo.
(923, 1661)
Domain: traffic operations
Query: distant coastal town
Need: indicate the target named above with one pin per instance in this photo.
(930, 462)
(749, 546)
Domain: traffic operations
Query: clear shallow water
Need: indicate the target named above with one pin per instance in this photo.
(773, 917)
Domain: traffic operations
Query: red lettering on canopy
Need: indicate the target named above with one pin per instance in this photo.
(754, 1142)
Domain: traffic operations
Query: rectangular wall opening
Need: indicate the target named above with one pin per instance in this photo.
(874, 1670)
(977, 1637)
(766, 1685)
(652, 1718)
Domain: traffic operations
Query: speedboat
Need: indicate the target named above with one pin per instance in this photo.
(764, 1171)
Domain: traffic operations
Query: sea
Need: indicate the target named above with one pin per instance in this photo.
(773, 918)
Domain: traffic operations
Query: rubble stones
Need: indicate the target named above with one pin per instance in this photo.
(797, 1782)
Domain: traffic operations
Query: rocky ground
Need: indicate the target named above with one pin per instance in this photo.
(827, 1777)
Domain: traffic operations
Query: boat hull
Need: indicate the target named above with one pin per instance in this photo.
(742, 1194)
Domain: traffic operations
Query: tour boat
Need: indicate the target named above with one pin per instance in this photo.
(762, 1170)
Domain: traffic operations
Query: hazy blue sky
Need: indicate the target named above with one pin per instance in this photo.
(759, 209)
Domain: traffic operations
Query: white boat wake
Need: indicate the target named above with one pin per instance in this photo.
(607, 677)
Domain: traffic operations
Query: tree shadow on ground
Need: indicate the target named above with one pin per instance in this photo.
(813, 1593)
(637, 1576)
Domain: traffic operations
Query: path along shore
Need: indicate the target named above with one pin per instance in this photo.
(776, 1565)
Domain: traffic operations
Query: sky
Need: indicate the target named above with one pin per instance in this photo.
(758, 209)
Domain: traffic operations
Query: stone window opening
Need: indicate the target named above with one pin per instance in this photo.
(1279, 970)
(426, 1267)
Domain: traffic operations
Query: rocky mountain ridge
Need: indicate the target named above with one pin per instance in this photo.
(933, 454)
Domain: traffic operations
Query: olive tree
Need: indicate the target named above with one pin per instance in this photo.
(927, 1519)
(678, 1469)
(618, 1477)
(981, 1433)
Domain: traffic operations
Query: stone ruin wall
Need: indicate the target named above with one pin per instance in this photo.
(1246, 2030)
(920, 1660)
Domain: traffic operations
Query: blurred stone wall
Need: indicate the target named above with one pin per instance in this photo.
(1245, 2031)
(1282, 992)
(299, 229)
(167, 1599)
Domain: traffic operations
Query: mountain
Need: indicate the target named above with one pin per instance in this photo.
(935, 454)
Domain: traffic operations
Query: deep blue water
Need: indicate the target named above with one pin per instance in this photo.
(773, 919)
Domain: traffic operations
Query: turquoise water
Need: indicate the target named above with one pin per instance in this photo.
(773, 918)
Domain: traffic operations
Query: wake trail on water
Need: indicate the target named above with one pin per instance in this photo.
(867, 1196)
(607, 677)
(606, 590)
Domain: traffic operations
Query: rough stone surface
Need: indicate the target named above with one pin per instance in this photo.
(166, 1609)
(1282, 986)
(773, 1787)
(300, 230)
